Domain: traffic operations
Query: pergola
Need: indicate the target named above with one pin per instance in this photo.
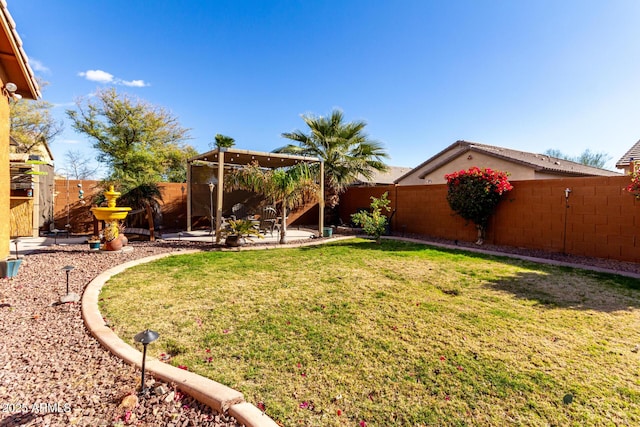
(227, 158)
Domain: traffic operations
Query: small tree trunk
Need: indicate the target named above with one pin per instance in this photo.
(152, 236)
(283, 225)
(480, 240)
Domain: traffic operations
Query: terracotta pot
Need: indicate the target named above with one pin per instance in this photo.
(114, 245)
(233, 240)
(125, 240)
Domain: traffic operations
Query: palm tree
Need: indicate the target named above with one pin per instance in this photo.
(346, 150)
(223, 141)
(287, 187)
(147, 197)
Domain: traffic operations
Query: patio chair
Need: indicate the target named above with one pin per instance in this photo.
(268, 219)
(55, 231)
(239, 211)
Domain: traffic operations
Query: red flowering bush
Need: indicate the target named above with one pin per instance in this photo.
(634, 187)
(474, 194)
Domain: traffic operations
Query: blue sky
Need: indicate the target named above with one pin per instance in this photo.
(529, 75)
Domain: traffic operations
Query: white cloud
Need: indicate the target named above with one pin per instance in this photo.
(70, 141)
(97, 76)
(132, 83)
(38, 66)
(63, 104)
(104, 77)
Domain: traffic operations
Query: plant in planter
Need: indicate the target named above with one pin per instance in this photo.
(94, 243)
(238, 230)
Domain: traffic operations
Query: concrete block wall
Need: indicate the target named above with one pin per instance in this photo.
(174, 208)
(599, 219)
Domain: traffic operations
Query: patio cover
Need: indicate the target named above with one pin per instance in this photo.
(222, 158)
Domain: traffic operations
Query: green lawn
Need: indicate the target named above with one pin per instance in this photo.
(393, 334)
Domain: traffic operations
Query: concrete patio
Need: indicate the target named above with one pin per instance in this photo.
(28, 245)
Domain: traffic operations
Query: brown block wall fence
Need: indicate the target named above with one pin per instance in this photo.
(601, 217)
(174, 205)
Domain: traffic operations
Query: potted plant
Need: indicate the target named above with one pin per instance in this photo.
(94, 243)
(9, 267)
(238, 230)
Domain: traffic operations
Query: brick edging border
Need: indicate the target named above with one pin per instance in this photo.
(217, 396)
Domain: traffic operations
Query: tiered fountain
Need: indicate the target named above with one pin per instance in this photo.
(112, 215)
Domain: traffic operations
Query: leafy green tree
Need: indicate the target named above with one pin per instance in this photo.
(223, 141)
(31, 125)
(286, 187)
(474, 194)
(345, 148)
(587, 158)
(374, 223)
(139, 142)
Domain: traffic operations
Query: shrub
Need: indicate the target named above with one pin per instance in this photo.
(373, 223)
(634, 186)
(474, 194)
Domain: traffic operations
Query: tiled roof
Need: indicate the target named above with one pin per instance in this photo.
(629, 156)
(15, 58)
(382, 178)
(538, 162)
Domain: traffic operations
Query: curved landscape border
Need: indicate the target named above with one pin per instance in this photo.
(218, 396)
(222, 398)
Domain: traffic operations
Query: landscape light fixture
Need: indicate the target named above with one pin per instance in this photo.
(212, 184)
(70, 296)
(10, 91)
(145, 337)
(16, 241)
(567, 192)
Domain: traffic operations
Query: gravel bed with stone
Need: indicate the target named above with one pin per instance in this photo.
(54, 373)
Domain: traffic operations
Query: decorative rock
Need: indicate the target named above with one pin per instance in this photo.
(169, 397)
(129, 402)
(160, 390)
(70, 297)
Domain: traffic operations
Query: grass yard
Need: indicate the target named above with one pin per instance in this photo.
(395, 334)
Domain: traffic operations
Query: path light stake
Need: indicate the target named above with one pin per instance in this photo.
(70, 296)
(145, 337)
(567, 192)
(16, 241)
(211, 185)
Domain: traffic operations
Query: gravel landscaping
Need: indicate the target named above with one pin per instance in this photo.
(54, 373)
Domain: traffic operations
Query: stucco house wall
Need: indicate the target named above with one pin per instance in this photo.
(465, 161)
(14, 68)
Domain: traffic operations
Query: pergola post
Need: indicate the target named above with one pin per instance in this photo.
(321, 202)
(219, 194)
(189, 196)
